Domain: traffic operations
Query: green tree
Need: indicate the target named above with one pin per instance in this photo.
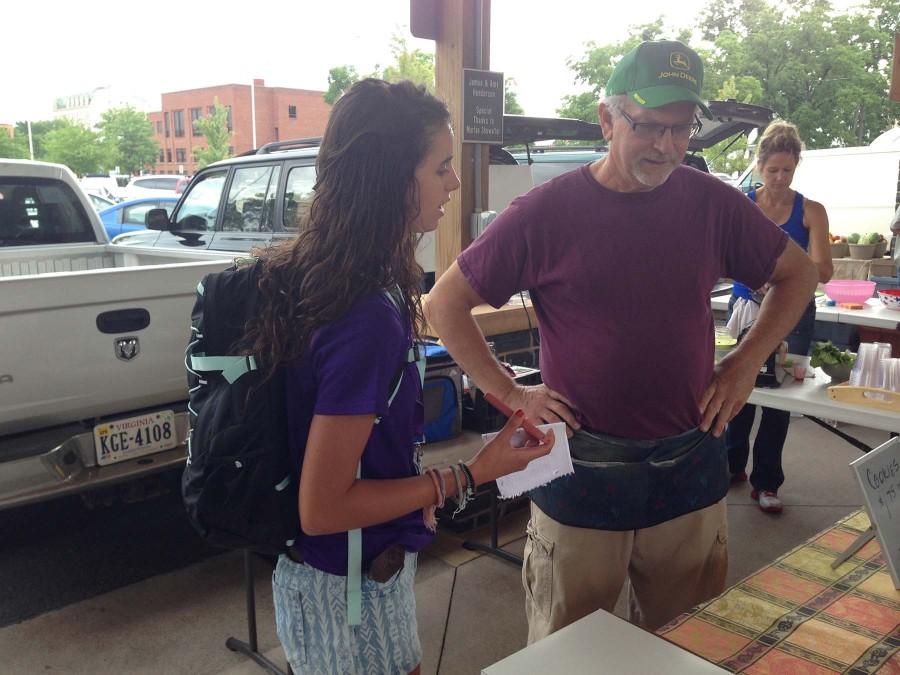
(75, 146)
(823, 70)
(511, 105)
(214, 128)
(340, 79)
(128, 140)
(580, 106)
(415, 65)
(15, 147)
(39, 131)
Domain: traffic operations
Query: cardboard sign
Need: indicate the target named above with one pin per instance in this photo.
(878, 473)
(482, 107)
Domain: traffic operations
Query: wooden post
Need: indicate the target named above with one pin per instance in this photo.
(456, 30)
(895, 77)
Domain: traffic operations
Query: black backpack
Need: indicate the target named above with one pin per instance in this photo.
(238, 486)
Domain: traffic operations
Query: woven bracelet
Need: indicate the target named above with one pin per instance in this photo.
(470, 488)
(462, 497)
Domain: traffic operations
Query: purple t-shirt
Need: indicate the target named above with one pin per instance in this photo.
(621, 284)
(348, 370)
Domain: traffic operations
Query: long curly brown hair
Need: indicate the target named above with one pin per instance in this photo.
(356, 238)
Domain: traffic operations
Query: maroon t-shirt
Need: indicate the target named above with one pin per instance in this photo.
(621, 286)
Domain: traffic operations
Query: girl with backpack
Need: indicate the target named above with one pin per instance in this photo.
(384, 175)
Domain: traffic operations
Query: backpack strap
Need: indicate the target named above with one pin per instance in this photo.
(354, 537)
(231, 367)
(354, 570)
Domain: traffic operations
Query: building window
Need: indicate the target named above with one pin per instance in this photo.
(169, 156)
(277, 138)
(292, 112)
(228, 109)
(231, 151)
(158, 127)
(166, 121)
(162, 156)
(178, 122)
(179, 154)
(195, 115)
(211, 110)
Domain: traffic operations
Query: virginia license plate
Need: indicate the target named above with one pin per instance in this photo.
(135, 437)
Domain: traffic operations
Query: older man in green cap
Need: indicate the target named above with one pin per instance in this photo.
(620, 257)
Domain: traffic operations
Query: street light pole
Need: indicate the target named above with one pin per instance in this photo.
(30, 140)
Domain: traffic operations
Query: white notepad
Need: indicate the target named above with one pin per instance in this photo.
(541, 470)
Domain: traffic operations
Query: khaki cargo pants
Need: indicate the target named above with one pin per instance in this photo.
(570, 572)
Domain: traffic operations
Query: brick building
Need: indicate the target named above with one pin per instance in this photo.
(281, 114)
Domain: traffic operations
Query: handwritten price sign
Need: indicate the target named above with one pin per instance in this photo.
(878, 473)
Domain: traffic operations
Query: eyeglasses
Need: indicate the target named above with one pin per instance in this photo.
(650, 131)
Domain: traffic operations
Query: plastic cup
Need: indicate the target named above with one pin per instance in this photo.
(801, 364)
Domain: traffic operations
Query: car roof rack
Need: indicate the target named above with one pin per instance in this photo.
(293, 144)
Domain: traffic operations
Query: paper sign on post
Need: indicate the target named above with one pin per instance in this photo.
(539, 471)
(878, 473)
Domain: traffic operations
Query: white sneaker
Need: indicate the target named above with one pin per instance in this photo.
(768, 501)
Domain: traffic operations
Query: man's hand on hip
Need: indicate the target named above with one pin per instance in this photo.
(733, 380)
(543, 405)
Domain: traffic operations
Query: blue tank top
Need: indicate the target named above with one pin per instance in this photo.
(795, 229)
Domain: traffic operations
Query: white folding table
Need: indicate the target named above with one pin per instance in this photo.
(602, 644)
(873, 315)
(810, 398)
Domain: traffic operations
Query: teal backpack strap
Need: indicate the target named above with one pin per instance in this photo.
(231, 367)
(354, 571)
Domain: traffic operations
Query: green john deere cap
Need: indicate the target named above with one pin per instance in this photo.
(657, 73)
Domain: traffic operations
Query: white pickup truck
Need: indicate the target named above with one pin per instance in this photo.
(92, 336)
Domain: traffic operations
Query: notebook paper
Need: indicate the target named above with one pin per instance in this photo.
(541, 470)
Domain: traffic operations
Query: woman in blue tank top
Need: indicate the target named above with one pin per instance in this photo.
(807, 224)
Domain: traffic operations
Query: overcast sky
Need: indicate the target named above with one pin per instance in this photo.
(52, 49)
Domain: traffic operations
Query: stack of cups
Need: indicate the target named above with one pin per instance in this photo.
(873, 361)
(866, 370)
(889, 376)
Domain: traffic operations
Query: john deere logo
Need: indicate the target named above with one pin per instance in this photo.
(679, 60)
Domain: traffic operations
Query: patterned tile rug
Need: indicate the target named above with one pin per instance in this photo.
(798, 615)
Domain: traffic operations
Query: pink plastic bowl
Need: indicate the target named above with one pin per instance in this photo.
(890, 297)
(847, 290)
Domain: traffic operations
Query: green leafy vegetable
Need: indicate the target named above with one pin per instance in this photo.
(825, 353)
(853, 238)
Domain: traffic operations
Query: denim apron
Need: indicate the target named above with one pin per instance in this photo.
(620, 484)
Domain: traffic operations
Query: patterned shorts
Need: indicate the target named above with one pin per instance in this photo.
(311, 619)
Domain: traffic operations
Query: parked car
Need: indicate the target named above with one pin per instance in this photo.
(92, 386)
(99, 203)
(152, 186)
(103, 185)
(260, 197)
(130, 215)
